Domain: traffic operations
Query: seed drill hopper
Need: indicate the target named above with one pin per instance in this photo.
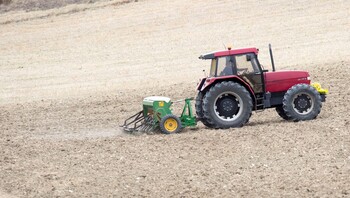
(157, 115)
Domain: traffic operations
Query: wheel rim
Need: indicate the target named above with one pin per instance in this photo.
(303, 103)
(228, 106)
(170, 124)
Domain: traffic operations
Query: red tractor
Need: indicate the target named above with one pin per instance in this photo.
(238, 84)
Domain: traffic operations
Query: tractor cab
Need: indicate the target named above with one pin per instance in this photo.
(242, 64)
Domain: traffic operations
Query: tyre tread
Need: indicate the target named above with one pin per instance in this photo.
(287, 103)
(216, 88)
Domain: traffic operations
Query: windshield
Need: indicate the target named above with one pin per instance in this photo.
(212, 68)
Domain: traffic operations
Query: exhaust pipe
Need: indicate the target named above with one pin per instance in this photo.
(271, 56)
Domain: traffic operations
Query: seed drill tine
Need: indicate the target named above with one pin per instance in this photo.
(135, 121)
(147, 128)
(148, 124)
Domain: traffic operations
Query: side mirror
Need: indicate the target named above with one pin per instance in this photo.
(248, 57)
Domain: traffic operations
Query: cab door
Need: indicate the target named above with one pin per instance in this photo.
(249, 70)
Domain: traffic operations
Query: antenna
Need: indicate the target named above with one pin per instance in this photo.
(224, 45)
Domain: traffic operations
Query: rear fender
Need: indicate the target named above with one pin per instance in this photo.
(200, 84)
(206, 83)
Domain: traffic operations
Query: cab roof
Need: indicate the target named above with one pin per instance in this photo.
(228, 52)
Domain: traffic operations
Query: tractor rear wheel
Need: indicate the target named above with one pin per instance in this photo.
(227, 104)
(302, 102)
(281, 113)
(199, 110)
(170, 124)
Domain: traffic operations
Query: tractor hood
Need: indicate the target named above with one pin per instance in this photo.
(283, 80)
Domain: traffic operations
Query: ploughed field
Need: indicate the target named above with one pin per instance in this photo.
(70, 75)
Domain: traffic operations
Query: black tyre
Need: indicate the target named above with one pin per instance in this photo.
(199, 110)
(281, 112)
(302, 102)
(227, 104)
(170, 124)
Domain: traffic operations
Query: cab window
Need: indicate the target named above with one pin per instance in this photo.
(225, 66)
(246, 63)
(213, 68)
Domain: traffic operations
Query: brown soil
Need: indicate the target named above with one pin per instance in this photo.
(68, 79)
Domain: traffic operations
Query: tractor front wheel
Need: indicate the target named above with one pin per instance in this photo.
(281, 113)
(227, 104)
(302, 102)
(170, 124)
